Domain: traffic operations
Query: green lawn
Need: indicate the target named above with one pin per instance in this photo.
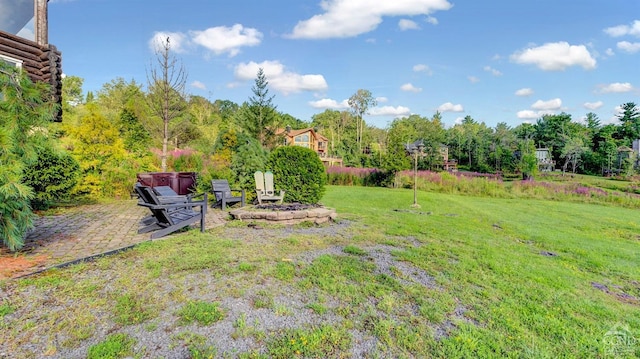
(525, 272)
(459, 277)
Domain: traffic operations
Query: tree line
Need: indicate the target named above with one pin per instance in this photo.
(587, 146)
(107, 137)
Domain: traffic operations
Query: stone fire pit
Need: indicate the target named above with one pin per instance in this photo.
(286, 213)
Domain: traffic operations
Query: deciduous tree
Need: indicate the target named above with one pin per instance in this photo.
(360, 102)
(166, 86)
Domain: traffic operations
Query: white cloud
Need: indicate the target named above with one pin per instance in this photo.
(449, 107)
(327, 103)
(622, 30)
(554, 104)
(222, 39)
(381, 99)
(422, 68)
(629, 47)
(556, 56)
(493, 71)
(527, 115)
(614, 119)
(618, 111)
(530, 115)
(432, 20)
(199, 85)
(539, 108)
(349, 18)
(593, 105)
(279, 78)
(410, 88)
(406, 24)
(390, 111)
(473, 79)
(616, 87)
(609, 52)
(524, 92)
(177, 41)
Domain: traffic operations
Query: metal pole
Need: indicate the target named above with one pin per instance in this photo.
(415, 178)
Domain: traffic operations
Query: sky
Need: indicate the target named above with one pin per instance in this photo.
(497, 61)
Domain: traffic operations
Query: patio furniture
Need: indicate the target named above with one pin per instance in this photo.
(265, 189)
(166, 195)
(170, 216)
(224, 194)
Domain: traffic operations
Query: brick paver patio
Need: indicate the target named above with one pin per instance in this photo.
(80, 233)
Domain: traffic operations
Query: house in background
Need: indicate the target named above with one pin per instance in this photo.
(448, 164)
(24, 43)
(309, 138)
(545, 162)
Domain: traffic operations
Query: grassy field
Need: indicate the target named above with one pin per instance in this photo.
(459, 277)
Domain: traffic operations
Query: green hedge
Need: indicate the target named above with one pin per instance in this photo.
(298, 171)
(52, 176)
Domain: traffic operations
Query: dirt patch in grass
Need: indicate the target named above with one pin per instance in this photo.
(12, 266)
(616, 291)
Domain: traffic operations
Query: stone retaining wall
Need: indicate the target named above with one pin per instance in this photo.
(317, 215)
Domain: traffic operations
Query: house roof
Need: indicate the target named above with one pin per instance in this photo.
(293, 133)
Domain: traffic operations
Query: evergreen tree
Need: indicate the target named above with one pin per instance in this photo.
(136, 137)
(630, 119)
(24, 115)
(260, 118)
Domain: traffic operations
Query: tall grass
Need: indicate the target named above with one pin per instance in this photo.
(552, 187)
(352, 176)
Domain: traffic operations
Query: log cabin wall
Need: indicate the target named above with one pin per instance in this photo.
(41, 61)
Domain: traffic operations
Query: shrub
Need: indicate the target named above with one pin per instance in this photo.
(24, 116)
(188, 163)
(99, 149)
(298, 171)
(52, 176)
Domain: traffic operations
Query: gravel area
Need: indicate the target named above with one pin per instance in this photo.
(164, 336)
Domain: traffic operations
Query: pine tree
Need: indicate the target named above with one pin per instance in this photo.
(24, 115)
(260, 116)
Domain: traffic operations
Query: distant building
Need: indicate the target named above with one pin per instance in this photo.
(309, 138)
(627, 157)
(24, 43)
(450, 165)
(442, 156)
(545, 161)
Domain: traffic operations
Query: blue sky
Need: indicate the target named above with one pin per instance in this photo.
(494, 60)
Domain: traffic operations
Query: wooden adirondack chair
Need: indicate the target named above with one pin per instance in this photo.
(265, 188)
(166, 195)
(170, 216)
(224, 194)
